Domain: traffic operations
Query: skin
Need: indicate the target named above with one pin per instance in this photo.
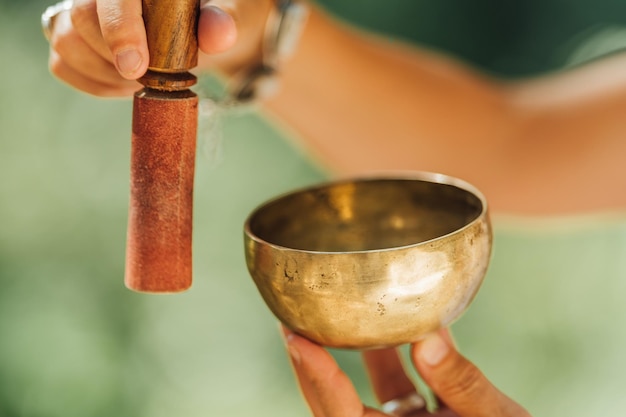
(460, 386)
(546, 146)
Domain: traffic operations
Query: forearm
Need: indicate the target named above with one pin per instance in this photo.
(571, 142)
(362, 104)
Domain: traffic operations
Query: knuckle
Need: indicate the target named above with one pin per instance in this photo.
(122, 30)
(320, 381)
(83, 12)
(118, 22)
(64, 42)
(55, 65)
(116, 25)
(56, 43)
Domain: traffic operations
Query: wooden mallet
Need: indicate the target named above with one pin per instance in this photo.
(165, 118)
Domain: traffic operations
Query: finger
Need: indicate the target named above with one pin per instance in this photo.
(124, 34)
(217, 31)
(77, 80)
(387, 375)
(75, 53)
(458, 383)
(328, 390)
(232, 33)
(85, 21)
(57, 26)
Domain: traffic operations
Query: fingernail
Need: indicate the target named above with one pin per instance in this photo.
(433, 349)
(219, 13)
(128, 61)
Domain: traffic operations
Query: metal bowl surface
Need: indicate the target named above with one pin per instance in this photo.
(370, 262)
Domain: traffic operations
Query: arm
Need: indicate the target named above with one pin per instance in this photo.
(359, 103)
(547, 146)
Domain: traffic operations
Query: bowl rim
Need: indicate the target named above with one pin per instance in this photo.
(425, 176)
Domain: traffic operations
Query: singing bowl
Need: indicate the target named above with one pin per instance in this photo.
(370, 262)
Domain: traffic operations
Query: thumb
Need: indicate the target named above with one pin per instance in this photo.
(232, 32)
(217, 28)
(124, 34)
(458, 382)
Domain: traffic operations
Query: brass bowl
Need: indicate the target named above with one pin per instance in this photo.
(370, 262)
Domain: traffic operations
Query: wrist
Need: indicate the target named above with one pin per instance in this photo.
(253, 65)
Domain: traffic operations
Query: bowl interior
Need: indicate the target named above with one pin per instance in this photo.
(365, 215)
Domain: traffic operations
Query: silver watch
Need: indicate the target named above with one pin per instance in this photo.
(282, 33)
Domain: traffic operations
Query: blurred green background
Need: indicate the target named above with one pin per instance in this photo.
(547, 326)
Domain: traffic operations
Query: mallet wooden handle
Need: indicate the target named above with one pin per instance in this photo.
(165, 112)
